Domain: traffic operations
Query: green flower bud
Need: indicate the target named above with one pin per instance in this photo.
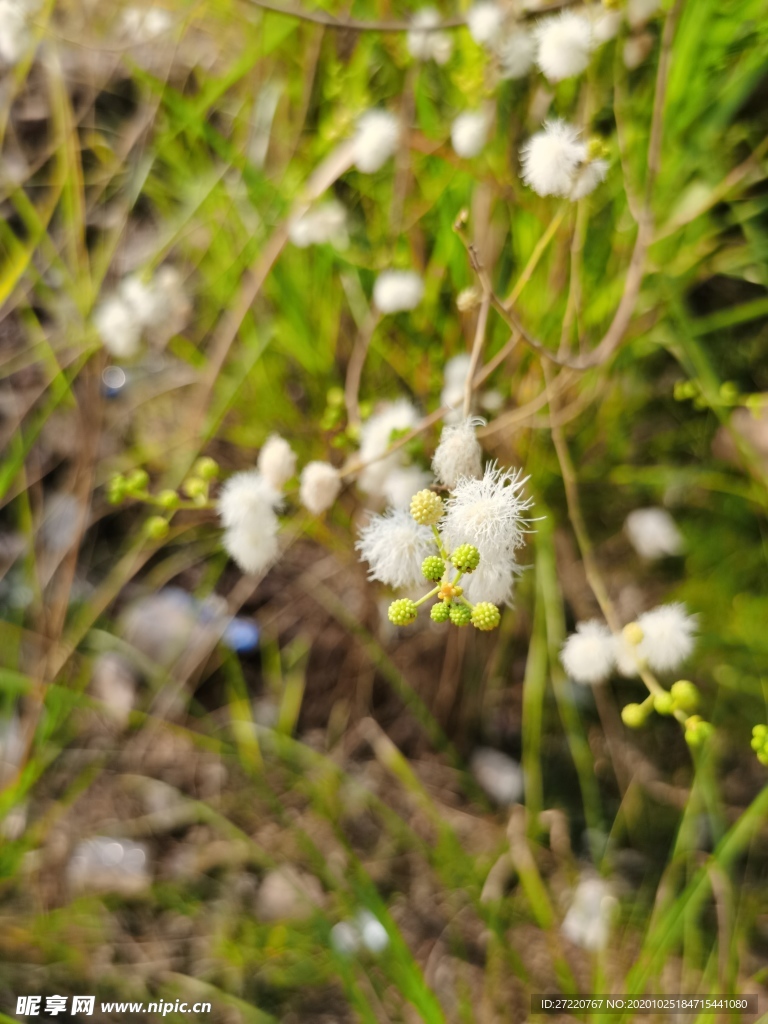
(206, 468)
(117, 490)
(137, 482)
(664, 703)
(402, 612)
(194, 487)
(440, 612)
(433, 568)
(168, 499)
(427, 507)
(633, 715)
(633, 633)
(156, 528)
(460, 614)
(762, 757)
(760, 732)
(466, 558)
(697, 731)
(685, 695)
(485, 616)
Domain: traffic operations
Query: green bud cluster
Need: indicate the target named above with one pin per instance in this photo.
(685, 696)
(760, 743)
(461, 614)
(402, 612)
(485, 616)
(634, 715)
(465, 558)
(697, 731)
(427, 508)
(433, 568)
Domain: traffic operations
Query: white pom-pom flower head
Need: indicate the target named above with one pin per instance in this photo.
(668, 637)
(319, 486)
(484, 21)
(397, 291)
(376, 140)
(277, 461)
(564, 44)
(458, 455)
(429, 45)
(552, 157)
(246, 506)
(469, 133)
(488, 513)
(394, 546)
(516, 53)
(588, 655)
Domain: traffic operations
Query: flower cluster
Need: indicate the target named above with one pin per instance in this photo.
(557, 162)
(156, 308)
(464, 545)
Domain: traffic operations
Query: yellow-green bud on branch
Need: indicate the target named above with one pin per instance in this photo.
(440, 612)
(402, 612)
(664, 703)
(461, 614)
(485, 616)
(433, 567)
(156, 528)
(427, 508)
(466, 558)
(168, 499)
(633, 715)
(697, 731)
(137, 482)
(206, 468)
(685, 695)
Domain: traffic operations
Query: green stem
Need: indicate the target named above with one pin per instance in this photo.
(439, 541)
(427, 596)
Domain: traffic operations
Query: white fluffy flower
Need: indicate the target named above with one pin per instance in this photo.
(484, 20)
(564, 43)
(640, 11)
(552, 158)
(319, 487)
(605, 26)
(469, 133)
(376, 139)
(588, 921)
(452, 395)
(143, 26)
(516, 52)
(397, 290)
(458, 455)
(394, 546)
(402, 482)
(668, 637)
(433, 45)
(118, 327)
(588, 178)
(636, 50)
(625, 655)
(326, 222)
(14, 32)
(375, 438)
(493, 580)
(247, 510)
(488, 513)
(588, 655)
(652, 533)
(498, 775)
(141, 298)
(277, 461)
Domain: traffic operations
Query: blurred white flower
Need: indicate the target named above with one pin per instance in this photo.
(376, 139)
(324, 223)
(588, 655)
(498, 775)
(14, 32)
(588, 921)
(319, 486)
(454, 380)
(144, 25)
(247, 509)
(492, 581)
(516, 53)
(605, 26)
(551, 158)
(433, 45)
(243, 497)
(394, 546)
(118, 327)
(458, 455)
(636, 50)
(484, 20)
(375, 437)
(564, 43)
(469, 133)
(345, 938)
(104, 864)
(489, 513)
(113, 682)
(276, 462)
(653, 533)
(402, 482)
(668, 637)
(396, 291)
(640, 11)
(588, 178)
(372, 932)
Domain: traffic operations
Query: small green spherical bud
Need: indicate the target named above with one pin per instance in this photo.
(460, 614)
(427, 507)
(117, 490)
(760, 732)
(156, 528)
(433, 568)
(466, 558)
(168, 499)
(194, 487)
(697, 731)
(206, 468)
(440, 612)
(633, 633)
(762, 757)
(633, 715)
(137, 481)
(596, 149)
(402, 612)
(664, 703)
(485, 616)
(685, 695)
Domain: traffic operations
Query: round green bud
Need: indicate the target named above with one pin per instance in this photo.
(760, 732)
(697, 731)
(664, 703)
(137, 481)
(156, 528)
(485, 616)
(685, 695)
(433, 568)
(427, 507)
(460, 614)
(117, 490)
(402, 612)
(633, 715)
(168, 499)
(633, 633)
(466, 558)
(762, 757)
(194, 487)
(206, 468)
(440, 612)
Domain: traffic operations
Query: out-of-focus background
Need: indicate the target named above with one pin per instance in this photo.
(253, 790)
